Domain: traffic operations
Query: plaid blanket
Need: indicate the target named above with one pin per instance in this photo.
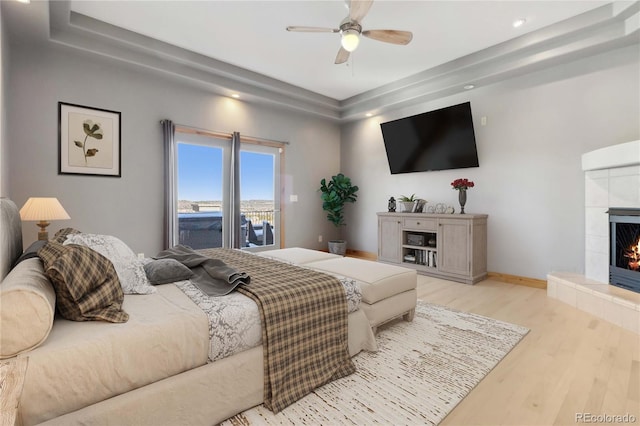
(304, 332)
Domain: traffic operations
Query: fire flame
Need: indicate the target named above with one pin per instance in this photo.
(634, 256)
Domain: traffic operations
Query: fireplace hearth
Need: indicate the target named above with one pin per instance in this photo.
(624, 237)
(612, 183)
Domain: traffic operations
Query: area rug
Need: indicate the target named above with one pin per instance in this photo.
(421, 371)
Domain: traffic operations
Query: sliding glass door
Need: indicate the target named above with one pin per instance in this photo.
(260, 195)
(202, 191)
(203, 186)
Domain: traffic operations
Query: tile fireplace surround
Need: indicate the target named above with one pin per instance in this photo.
(612, 179)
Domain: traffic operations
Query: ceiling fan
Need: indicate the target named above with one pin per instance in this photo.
(351, 29)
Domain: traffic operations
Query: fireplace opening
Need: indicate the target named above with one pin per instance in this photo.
(624, 236)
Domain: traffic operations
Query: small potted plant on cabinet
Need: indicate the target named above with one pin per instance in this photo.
(335, 193)
(411, 204)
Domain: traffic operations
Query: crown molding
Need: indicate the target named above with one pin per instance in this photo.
(82, 32)
(602, 29)
(608, 27)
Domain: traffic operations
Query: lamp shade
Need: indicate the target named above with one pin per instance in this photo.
(43, 209)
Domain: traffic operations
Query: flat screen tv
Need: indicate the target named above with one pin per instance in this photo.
(435, 140)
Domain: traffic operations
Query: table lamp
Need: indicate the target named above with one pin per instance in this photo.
(43, 210)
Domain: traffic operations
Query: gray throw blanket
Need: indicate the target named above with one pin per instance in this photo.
(212, 276)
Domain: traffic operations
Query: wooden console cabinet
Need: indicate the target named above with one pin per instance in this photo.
(448, 246)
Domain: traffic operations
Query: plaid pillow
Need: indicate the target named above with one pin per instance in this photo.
(129, 268)
(61, 235)
(86, 284)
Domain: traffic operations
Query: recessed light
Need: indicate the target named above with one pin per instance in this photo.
(24, 1)
(369, 114)
(235, 95)
(468, 87)
(519, 22)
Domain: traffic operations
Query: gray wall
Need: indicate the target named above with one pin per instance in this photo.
(131, 207)
(530, 181)
(4, 72)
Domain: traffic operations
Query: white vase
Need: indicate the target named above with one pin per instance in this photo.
(407, 206)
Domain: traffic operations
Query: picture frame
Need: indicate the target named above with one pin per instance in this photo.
(89, 141)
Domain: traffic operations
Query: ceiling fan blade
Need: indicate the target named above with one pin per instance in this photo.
(389, 36)
(313, 29)
(358, 9)
(342, 56)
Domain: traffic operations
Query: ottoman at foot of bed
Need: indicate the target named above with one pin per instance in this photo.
(388, 291)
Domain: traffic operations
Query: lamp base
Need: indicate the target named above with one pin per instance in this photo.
(43, 235)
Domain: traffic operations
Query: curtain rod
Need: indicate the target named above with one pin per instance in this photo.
(224, 135)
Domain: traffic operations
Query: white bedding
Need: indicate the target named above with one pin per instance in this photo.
(82, 363)
(234, 319)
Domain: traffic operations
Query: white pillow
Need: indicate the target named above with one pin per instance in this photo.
(129, 268)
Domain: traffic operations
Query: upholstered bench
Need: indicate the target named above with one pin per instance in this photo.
(388, 291)
(297, 255)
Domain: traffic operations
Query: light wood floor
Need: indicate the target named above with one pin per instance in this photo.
(570, 362)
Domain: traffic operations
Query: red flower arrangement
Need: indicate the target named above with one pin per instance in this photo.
(460, 184)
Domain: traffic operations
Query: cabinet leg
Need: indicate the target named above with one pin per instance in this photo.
(409, 315)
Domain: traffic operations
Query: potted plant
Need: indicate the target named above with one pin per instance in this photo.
(335, 193)
(412, 203)
(407, 202)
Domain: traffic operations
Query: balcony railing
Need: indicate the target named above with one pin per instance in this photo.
(258, 216)
(204, 229)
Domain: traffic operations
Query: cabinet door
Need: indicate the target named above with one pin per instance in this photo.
(453, 246)
(389, 243)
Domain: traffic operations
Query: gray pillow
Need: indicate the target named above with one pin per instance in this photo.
(164, 271)
(31, 251)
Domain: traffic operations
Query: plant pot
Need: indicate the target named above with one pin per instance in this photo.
(338, 247)
(407, 206)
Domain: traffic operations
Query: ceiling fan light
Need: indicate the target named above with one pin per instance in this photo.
(519, 22)
(350, 40)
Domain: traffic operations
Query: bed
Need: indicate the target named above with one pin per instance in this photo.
(156, 368)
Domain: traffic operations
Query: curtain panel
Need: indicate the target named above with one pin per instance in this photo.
(170, 216)
(236, 222)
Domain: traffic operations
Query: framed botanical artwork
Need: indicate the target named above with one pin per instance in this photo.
(89, 140)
